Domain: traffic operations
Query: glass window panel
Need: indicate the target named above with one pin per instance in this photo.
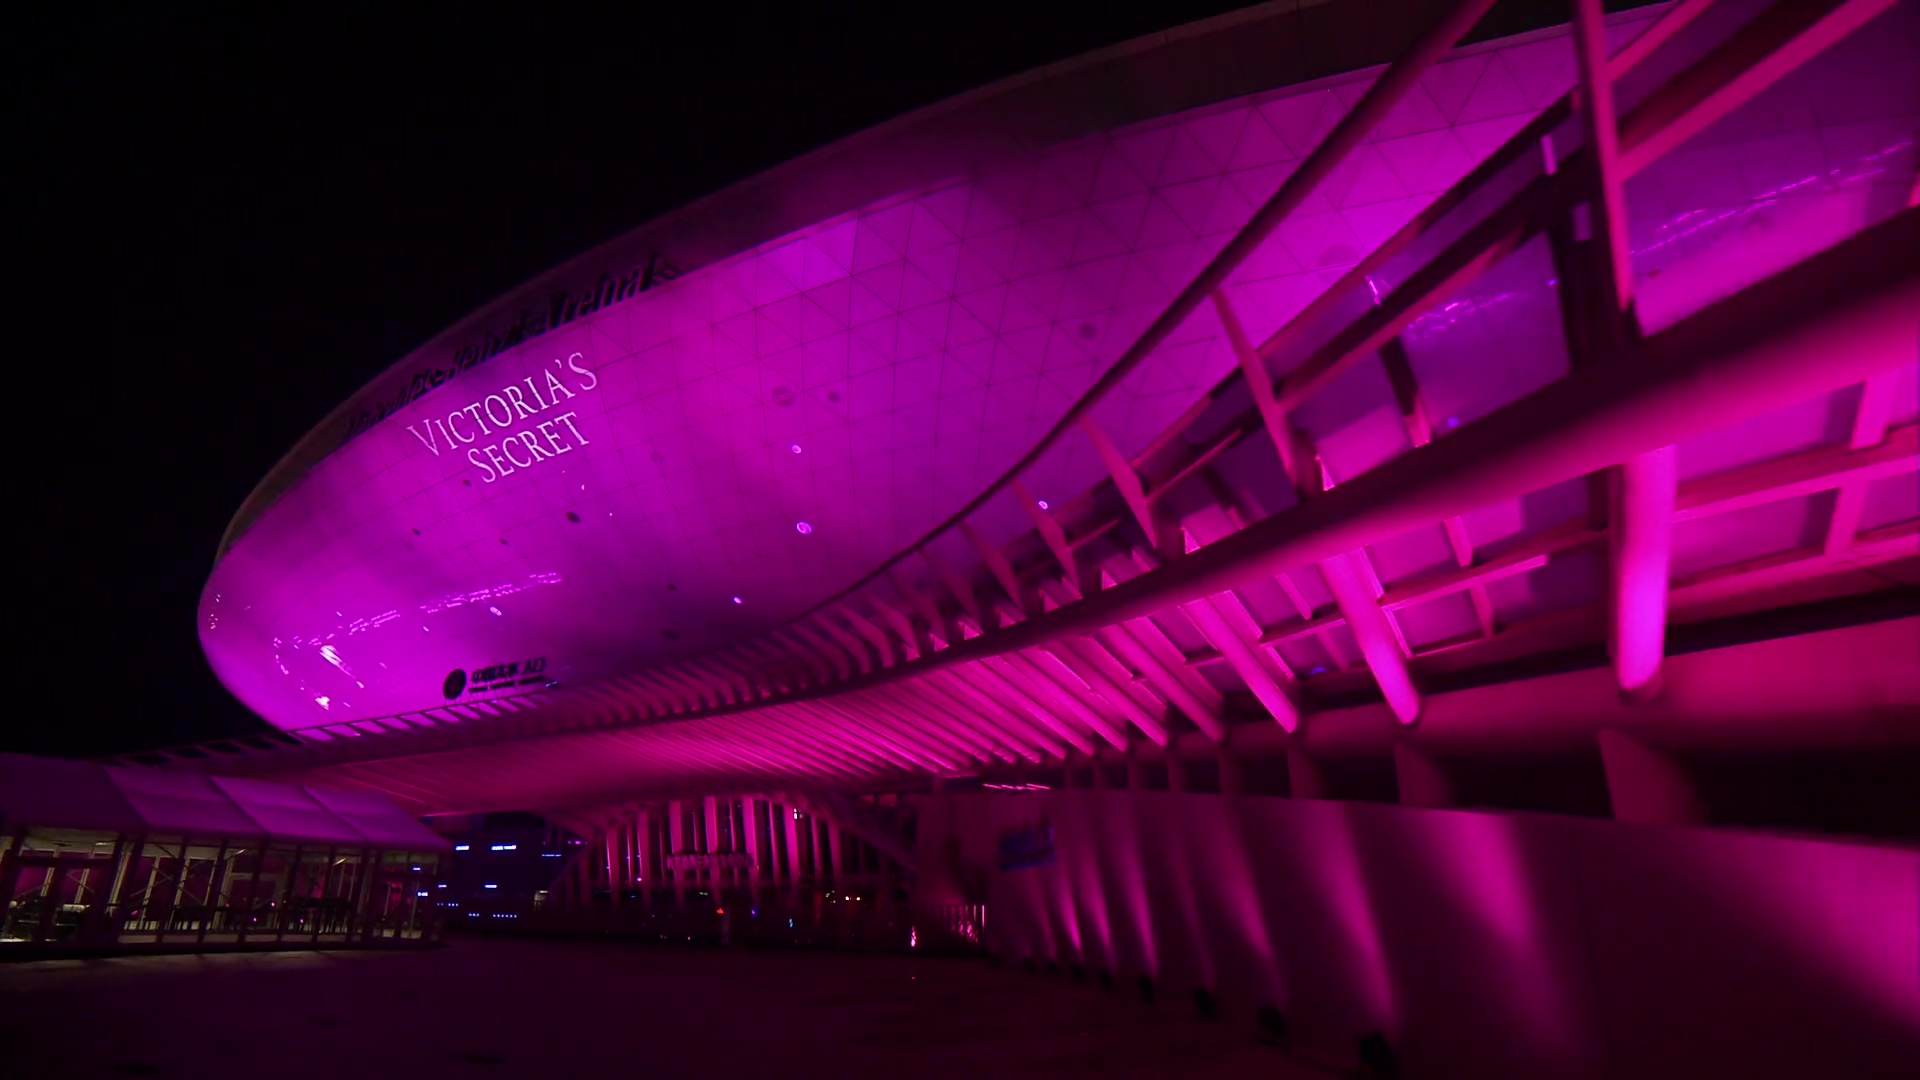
(1814, 159)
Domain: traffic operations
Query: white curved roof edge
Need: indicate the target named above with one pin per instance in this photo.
(61, 794)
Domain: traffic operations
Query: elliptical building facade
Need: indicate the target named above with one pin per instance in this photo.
(1445, 500)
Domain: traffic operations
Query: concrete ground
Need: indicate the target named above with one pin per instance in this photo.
(510, 1008)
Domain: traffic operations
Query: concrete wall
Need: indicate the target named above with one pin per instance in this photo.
(1479, 943)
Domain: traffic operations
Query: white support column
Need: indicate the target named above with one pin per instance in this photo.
(825, 863)
(712, 807)
(1642, 548)
(676, 844)
(790, 823)
(1376, 638)
(613, 862)
(1642, 520)
(1608, 210)
(583, 879)
(630, 849)
(1648, 787)
(750, 817)
(643, 844)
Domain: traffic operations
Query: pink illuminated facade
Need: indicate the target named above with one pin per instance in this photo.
(675, 464)
(1514, 432)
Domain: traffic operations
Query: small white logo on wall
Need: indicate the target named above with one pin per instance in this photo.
(725, 860)
(509, 425)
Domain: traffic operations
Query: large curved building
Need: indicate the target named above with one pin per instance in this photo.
(954, 370)
(1302, 402)
(864, 341)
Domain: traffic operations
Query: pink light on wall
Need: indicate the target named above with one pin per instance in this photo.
(1176, 872)
(1643, 550)
(1081, 864)
(1336, 858)
(1066, 918)
(1138, 947)
(1235, 902)
(1510, 944)
(1485, 871)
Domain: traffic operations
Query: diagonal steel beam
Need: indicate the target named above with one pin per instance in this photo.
(1641, 538)
(1835, 319)
(1761, 53)
(1040, 685)
(1070, 660)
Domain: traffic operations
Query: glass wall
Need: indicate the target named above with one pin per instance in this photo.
(400, 896)
(71, 888)
(54, 883)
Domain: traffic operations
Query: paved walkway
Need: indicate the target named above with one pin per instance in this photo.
(507, 1008)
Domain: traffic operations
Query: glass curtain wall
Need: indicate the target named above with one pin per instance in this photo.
(67, 887)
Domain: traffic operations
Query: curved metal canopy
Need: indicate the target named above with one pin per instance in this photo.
(1209, 421)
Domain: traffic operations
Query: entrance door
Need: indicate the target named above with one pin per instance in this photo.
(52, 894)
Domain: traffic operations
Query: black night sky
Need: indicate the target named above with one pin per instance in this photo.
(227, 221)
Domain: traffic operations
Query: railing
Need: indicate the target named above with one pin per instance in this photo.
(950, 928)
(39, 925)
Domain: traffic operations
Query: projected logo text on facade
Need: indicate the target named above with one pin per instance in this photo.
(506, 422)
(459, 681)
(563, 307)
(700, 860)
